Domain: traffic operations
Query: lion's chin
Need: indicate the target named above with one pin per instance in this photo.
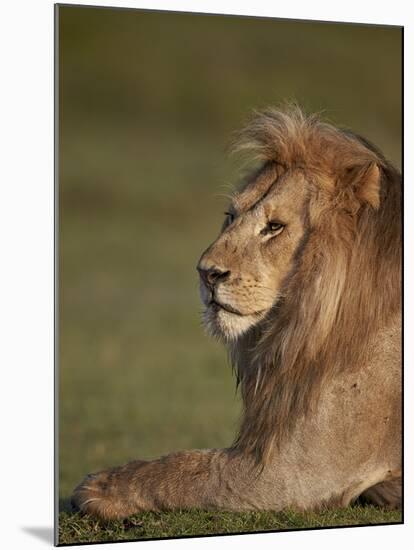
(228, 326)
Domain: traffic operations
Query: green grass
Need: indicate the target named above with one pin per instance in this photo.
(144, 123)
(74, 528)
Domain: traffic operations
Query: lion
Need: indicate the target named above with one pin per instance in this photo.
(303, 285)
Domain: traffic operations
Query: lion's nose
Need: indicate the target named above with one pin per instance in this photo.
(212, 275)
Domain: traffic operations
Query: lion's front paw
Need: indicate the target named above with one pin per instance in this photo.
(100, 495)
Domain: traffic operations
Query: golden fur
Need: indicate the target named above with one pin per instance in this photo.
(303, 284)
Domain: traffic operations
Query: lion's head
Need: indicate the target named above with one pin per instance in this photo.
(243, 272)
(314, 179)
(306, 266)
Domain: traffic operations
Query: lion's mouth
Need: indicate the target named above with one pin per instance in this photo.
(219, 305)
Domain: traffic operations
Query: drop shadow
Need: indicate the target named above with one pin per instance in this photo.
(43, 533)
(46, 534)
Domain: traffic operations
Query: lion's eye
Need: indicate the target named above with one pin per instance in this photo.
(230, 217)
(273, 228)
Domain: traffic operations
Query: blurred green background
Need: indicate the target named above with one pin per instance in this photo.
(147, 104)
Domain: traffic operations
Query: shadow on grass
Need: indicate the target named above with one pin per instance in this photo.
(66, 506)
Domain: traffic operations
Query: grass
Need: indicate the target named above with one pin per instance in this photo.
(143, 127)
(74, 528)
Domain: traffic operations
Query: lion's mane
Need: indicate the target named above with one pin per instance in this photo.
(345, 283)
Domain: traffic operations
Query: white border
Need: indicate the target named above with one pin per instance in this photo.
(26, 252)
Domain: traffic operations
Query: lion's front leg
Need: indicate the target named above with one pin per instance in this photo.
(189, 479)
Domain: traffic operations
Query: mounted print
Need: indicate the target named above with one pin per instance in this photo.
(229, 275)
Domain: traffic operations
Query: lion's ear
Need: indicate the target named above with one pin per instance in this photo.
(366, 183)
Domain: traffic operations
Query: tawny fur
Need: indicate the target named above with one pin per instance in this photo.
(311, 317)
(346, 287)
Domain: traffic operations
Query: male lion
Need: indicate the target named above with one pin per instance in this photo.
(303, 285)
